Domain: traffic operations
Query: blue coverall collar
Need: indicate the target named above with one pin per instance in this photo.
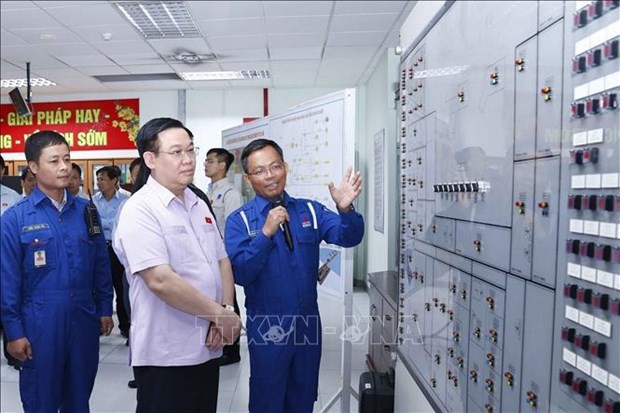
(38, 196)
(264, 204)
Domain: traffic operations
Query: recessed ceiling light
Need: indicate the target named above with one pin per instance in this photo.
(160, 19)
(36, 81)
(225, 75)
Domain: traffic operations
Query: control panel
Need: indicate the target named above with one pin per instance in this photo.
(509, 158)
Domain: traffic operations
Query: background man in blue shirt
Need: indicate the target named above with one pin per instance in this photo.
(108, 201)
(55, 289)
(279, 276)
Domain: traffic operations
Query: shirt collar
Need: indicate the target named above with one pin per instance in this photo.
(265, 204)
(38, 196)
(166, 196)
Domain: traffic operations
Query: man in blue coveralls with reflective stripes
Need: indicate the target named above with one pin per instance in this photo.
(55, 285)
(273, 243)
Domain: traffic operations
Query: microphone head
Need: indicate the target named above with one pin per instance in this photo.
(277, 202)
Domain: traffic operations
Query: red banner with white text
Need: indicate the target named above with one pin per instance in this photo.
(86, 125)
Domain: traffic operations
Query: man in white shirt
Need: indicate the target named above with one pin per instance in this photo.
(7, 196)
(225, 199)
(181, 283)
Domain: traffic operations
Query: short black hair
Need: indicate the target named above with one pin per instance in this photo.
(257, 145)
(134, 163)
(147, 140)
(77, 168)
(110, 171)
(39, 140)
(1, 162)
(25, 172)
(223, 156)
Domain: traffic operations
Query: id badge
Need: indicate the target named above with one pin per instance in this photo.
(39, 258)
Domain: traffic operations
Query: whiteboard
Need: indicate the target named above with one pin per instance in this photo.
(318, 141)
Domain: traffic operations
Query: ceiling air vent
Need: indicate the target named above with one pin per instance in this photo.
(191, 58)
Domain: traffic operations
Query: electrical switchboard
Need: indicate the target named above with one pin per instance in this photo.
(509, 157)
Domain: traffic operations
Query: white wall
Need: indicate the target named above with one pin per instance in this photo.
(380, 113)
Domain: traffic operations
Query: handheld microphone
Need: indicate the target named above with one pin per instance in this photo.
(285, 227)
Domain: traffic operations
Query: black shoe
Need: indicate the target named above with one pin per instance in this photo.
(125, 333)
(132, 384)
(227, 359)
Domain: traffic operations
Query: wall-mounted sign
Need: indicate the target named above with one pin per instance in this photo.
(86, 125)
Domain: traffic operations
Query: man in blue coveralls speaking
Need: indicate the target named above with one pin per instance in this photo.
(55, 285)
(273, 243)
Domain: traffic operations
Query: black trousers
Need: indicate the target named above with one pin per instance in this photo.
(183, 389)
(118, 273)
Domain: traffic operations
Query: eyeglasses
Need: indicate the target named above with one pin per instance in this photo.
(177, 154)
(274, 169)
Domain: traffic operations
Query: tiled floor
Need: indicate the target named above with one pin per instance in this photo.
(111, 393)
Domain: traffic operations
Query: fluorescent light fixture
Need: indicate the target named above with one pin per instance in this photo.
(225, 75)
(160, 19)
(36, 81)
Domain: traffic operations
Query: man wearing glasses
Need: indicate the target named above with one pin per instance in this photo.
(179, 275)
(225, 199)
(273, 242)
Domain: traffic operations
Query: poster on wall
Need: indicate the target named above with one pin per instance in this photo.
(86, 125)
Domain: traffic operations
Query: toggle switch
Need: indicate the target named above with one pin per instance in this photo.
(580, 18)
(566, 377)
(490, 303)
(494, 78)
(546, 92)
(510, 380)
(490, 386)
(592, 202)
(610, 49)
(520, 207)
(580, 386)
(595, 396)
(473, 376)
(531, 399)
(476, 332)
(579, 64)
(598, 349)
(579, 157)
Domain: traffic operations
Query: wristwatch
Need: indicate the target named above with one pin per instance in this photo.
(229, 307)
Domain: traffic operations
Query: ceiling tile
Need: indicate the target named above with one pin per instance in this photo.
(251, 83)
(224, 44)
(249, 65)
(308, 24)
(346, 39)
(297, 8)
(37, 58)
(349, 52)
(258, 54)
(71, 15)
(170, 46)
(232, 27)
(119, 48)
(19, 4)
(365, 7)
(296, 53)
(292, 67)
(33, 36)
(8, 39)
(296, 40)
(363, 22)
(210, 10)
(69, 49)
(104, 70)
(136, 58)
(32, 18)
(119, 32)
(202, 67)
(150, 68)
(87, 60)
